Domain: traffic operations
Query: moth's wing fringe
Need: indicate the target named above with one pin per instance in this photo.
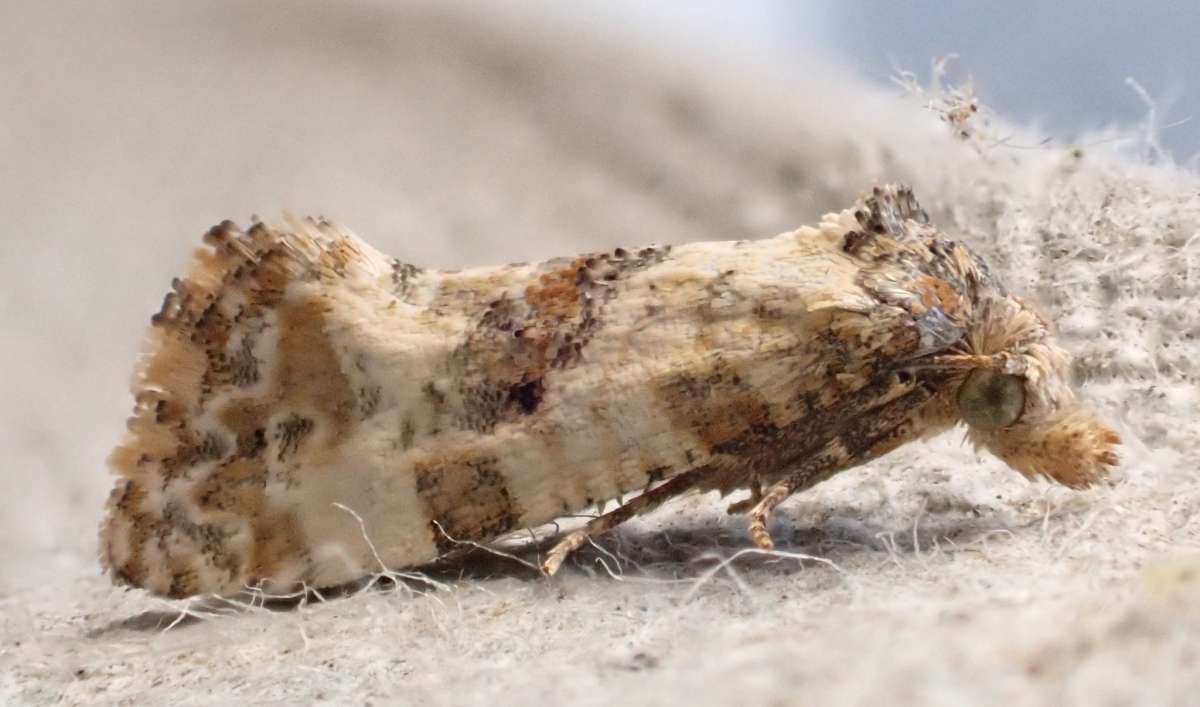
(193, 352)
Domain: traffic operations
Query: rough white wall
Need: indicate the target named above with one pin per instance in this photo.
(449, 138)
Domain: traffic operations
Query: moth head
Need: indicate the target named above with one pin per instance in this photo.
(1013, 393)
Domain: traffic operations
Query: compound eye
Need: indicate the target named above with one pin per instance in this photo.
(991, 400)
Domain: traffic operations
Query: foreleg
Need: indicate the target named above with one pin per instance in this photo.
(646, 502)
(863, 438)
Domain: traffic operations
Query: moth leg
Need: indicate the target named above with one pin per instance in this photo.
(866, 437)
(646, 502)
(756, 495)
(762, 511)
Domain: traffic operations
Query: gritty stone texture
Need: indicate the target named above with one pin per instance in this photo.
(449, 138)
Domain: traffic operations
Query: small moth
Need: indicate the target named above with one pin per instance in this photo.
(294, 374)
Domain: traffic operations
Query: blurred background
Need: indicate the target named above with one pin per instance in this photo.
(464, 133)
(1060, 67)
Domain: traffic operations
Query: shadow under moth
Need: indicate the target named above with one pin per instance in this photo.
(295, 374)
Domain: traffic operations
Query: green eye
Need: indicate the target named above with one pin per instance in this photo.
(990, 400)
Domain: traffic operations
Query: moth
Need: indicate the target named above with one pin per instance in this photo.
(296, 373)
